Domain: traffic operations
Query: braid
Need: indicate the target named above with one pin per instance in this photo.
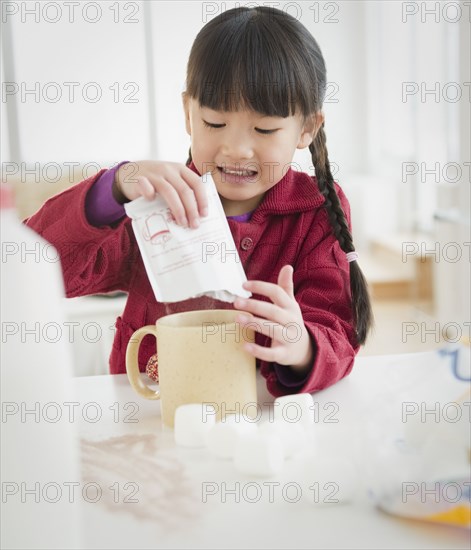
(362, 312)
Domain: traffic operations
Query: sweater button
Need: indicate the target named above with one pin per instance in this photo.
(246, 243)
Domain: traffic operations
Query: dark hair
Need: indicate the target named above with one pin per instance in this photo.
(264, 60)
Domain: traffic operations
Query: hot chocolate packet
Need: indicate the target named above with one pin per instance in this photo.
(182, 262)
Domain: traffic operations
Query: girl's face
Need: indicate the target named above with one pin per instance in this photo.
(258, 148)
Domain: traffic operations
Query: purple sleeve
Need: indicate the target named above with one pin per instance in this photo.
(241, 217)
(101, 208)
(288, 378)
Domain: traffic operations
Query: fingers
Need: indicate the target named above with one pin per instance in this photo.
(195, 183)
(180, 199)
(274, 292)
(273, 355)
(290, 343)
(285, 280)
(261, 309)
(182, 190)
(173, 200)
(287, 333)
(145, 187)
(185, 194)
(280, 319)
(282, 309)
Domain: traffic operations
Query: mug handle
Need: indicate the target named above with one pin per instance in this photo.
(132, 363)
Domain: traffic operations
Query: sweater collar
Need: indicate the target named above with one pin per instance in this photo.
(295, 192)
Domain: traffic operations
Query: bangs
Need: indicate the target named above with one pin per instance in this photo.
(244, 63)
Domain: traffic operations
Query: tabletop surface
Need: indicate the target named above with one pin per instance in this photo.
(159, 495)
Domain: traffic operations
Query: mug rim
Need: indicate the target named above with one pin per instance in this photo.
(187, 315)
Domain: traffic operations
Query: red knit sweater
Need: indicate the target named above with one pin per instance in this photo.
(290, 226)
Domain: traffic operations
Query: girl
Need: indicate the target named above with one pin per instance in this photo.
(256, 81)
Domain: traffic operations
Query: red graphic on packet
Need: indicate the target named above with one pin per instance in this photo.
(156, 228)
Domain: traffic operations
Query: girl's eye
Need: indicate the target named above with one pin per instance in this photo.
(265, 131)
(259, 130)
(208, 125)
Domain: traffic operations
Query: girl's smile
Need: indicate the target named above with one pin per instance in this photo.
(236, 175)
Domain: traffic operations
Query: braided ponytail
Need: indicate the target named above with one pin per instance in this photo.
(362, 313)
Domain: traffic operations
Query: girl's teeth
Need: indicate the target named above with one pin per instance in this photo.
(238, 173)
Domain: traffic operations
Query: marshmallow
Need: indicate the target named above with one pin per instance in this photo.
(259, 455)
(293, 437)
(221, 439)
(192, 422)
(295, 409)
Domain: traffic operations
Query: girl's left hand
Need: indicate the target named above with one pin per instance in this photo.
(281, 320)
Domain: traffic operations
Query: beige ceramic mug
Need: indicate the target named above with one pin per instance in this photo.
(200, 360)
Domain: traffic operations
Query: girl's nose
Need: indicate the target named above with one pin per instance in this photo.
(237, 146)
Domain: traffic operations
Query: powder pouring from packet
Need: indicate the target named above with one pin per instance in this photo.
(182, 262)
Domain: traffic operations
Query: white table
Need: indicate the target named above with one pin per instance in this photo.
(168, 481)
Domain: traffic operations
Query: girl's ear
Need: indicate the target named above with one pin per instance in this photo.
(186, 108)
(310, 129)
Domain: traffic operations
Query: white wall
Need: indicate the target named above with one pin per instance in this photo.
(175, 26)
(47, 54)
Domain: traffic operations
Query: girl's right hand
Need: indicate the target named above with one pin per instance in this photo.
(180, 187)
